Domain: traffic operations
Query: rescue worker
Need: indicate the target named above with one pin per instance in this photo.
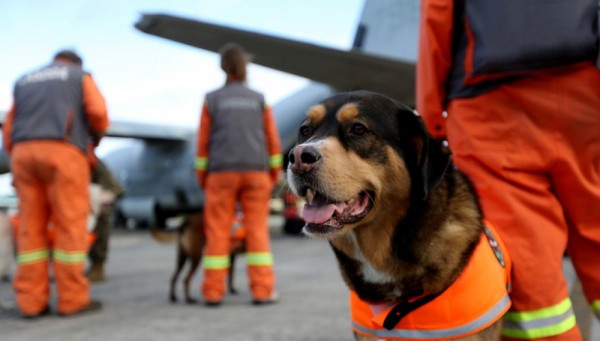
(110, 191)
(513, 87)
(238, 159)
(57, 111)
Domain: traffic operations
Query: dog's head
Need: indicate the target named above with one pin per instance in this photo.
(362, 158)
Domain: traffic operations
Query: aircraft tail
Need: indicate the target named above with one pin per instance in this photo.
(389, 28)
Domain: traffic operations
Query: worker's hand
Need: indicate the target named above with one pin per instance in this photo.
(275, 175)
(91, 156)
(96, 137)
(202, 179)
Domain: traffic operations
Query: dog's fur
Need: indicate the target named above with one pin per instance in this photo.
(190, 245)
(406, 220)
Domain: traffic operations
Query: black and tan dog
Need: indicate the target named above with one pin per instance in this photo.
(190, 246)
(404, 224)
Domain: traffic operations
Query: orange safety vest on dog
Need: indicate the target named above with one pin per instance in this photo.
(477, 299)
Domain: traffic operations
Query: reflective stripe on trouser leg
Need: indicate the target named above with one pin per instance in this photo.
(255, 205)
(216, 262)
(33, 256)
(259, 259)
(545, 322)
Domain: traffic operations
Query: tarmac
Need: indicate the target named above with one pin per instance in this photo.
(313, 301)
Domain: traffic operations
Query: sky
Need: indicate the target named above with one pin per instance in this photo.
(150, 79)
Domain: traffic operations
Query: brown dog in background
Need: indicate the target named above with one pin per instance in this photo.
(190, 246)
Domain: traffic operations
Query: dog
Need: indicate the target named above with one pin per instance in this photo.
(404, 224)
(190, 245)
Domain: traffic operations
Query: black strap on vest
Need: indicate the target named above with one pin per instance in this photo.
(405, 307)
(410, 304)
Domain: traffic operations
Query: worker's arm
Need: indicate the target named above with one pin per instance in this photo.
(94, 107)
(7, 129)
(273, 145)
(202, 145)
(434, 62)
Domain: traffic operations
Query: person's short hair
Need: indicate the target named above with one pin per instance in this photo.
(69, 55)
(234, 60)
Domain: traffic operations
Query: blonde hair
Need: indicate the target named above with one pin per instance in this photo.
(234, 60)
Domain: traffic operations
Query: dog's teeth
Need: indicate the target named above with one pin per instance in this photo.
(310, 195)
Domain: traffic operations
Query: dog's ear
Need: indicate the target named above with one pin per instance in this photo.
(431, 157)
(434, 161)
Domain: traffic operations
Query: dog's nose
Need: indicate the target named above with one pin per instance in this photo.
(303, 158)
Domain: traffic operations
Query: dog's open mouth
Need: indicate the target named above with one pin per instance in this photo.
(323, 215)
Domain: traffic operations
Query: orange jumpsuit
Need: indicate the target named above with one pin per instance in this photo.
(531, 145)
(51, 178)
(227, 186)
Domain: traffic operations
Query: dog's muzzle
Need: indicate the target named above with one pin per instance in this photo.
(322, 214)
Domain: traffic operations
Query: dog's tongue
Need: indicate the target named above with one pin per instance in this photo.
(319, 214)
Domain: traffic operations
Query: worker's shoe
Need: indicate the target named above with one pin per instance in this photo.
(212, 298)
(96, 273)
(213, 304)
(44, 312)
(93, 305)
(274, 298)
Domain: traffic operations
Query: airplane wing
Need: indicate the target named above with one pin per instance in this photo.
(342, 70)
(144, 131)
(149, 131)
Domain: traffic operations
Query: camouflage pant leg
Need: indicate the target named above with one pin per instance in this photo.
(99, 250)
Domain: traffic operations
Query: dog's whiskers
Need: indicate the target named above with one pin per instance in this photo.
(371, 198)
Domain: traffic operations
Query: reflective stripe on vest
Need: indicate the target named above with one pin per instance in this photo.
(69, 257)
(201, 163)
(535, 324)
(478, 324)
(215, 262)
(596, 308)
(476, 300)
(276, 160)
(259, 258)
(32, 256)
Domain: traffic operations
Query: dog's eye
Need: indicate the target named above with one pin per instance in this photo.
(305, 131)
(358, 129)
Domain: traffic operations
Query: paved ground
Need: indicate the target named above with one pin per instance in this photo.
(313, 302)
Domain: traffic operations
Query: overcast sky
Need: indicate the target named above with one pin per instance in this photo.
(150, 79)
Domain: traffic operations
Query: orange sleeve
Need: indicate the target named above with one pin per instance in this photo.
(434, 63)
(203, 140)
(94, 106)
(7, 129)
(273, 141)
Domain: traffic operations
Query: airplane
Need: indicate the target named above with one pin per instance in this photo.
(156, 168)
